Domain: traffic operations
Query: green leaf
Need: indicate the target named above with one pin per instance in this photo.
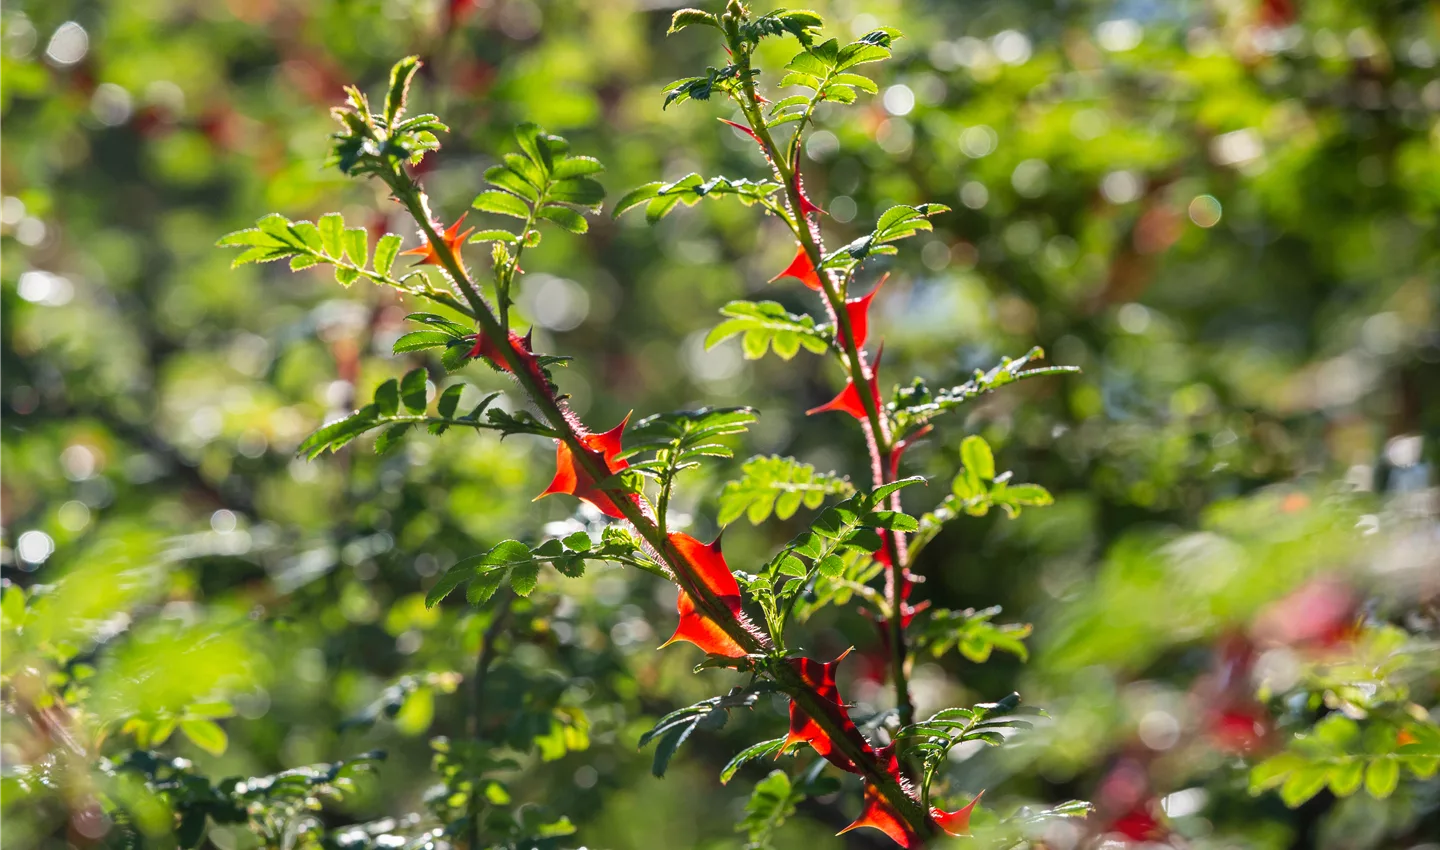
(691, 17)
(420, 340)
(892, 520)
(976, 456)
(449, 400)
(523, 578)
(1345, 777)
(750, 753)
(278, 227)
(496, 236)
(262, 255)
(636, 197)
(577, 166)
(810, 64)
(454, 577)
(859, 53)
(565, 217)
(332, 228)
(1272, 771)
(1029, 495)
(357, 246)
(879, 494)
(205, 734)
(337, 434)
(400, 77)
(392, 437)
(507, 552)
(386, 250)
(766, 324)
(577, 190)
(253, 237)
(1382, 776)
(412, 390)
(219, 708)
(454, 329)
(660, 207)
(387, 398)
(918, 404)
(532, 141)
(501, 203)
(1302, 784)
(505, 178)
(766, 482)
(483, 586)
(864, 84)
(308, 234)
(770, 804)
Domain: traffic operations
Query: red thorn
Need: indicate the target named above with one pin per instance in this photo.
(573, 479)
(747, 131)
(958, 821)
(879, 814)
(802, 270)
(806, 205)
(709, 568)
(848, 401)
(452, 238)
(858, 310)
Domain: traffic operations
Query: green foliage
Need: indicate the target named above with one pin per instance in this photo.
(1015, 829)
(916, 404)
(972, 633)
(1274, 350)
(660, 199)
(306, 244)
(272, 807)
(826, 69)
(766, 325)
(749, 754)
(799, 23)
(933, 738)
(477, 800)
(977, 488)
(675, 728)
(691, 17)
(843, 536)
(543, 182)
(774, 799)
(369, 143)
(483, 574)
(387, 411)
(896, 223)
(725, 80)
(1391, 737)
(679, 441)
(1340, 754)
(778, 485)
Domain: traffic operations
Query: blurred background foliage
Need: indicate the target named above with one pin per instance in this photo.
(1225, 212)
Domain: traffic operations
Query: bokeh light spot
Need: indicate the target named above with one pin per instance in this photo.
(1205, 211)
(68, 45)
